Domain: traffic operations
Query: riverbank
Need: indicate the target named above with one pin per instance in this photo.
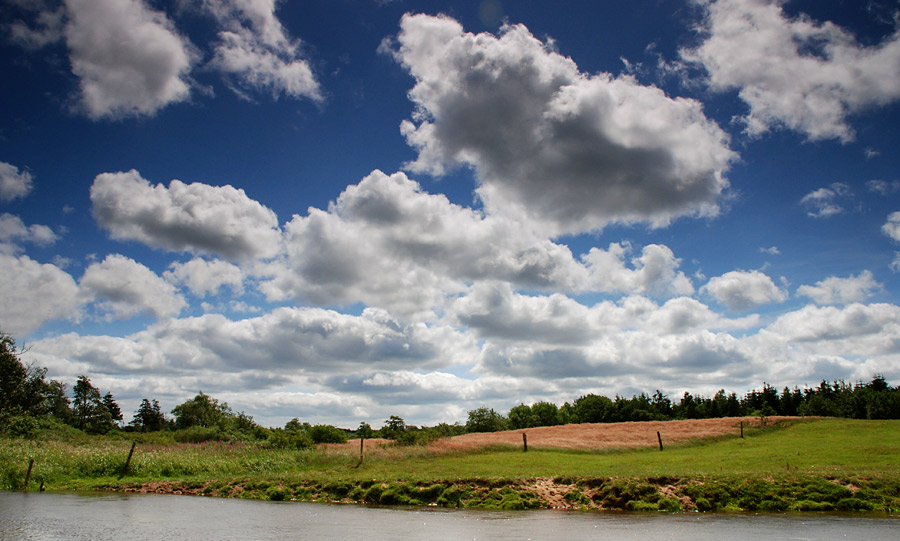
(827, 464)
(669, 494)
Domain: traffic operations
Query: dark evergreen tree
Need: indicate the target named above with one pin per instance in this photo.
(89, 412)
(149, 417)
(109, 402)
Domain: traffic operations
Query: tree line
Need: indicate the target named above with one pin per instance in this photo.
(873, 400)
(28, 401)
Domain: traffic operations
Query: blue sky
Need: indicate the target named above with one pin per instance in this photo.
(342, 211)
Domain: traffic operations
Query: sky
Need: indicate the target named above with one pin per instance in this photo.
(341, 211)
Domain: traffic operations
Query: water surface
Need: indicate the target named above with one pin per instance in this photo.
(159, 517)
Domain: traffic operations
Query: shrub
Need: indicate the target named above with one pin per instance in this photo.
(199, 434)
(327, 434)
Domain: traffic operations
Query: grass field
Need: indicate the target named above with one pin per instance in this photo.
(812, 464)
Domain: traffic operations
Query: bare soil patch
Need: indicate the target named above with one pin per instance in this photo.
(589, 436)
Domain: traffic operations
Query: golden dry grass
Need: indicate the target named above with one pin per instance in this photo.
(588, 436)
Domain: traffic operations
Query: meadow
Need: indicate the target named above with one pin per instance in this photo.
(790, 464)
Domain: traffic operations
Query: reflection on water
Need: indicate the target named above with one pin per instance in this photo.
(158, 517)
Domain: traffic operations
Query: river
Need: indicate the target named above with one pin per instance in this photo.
(159, 517)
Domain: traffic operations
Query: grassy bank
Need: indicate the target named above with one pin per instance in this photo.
(829, 464)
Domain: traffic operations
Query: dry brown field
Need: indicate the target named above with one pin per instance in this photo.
(590, 436)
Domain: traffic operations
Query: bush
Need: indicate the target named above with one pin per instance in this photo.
(327, 434)
(289, 439)
(20, 426)
(199, 434)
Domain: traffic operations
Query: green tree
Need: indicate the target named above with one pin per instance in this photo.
(521, 416)
(592, 408)
(149, 417)
(661, 405)
(393, 428)
(365, 431)
(21, 387)
(545, 413)
(294, 425)
(109, 402)
(486, 420)
(566, 414)
(90, 414)
(203, 411)
(57, 402)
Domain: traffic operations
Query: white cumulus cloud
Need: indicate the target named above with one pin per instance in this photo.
(385, 242)
(13, 183)
(129, 59)
(13, 231)
(204, 277)
(32, 294)
(796, 73)
(549, 142)
(655, 271)
(123, 288)
(835, 290)
(255, 48)
(185, 217)
(743, 290)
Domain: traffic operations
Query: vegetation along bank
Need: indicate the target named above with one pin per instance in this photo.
(751, 453)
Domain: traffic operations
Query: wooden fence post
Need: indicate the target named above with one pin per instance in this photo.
(742, 429)
(28, 475)
(127, 461)
(362, 441)
(524, 442)
(660, 440)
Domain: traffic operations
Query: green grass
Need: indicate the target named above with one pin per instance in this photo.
(801, 466)
(825, 447)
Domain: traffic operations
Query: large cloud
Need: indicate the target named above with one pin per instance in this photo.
(124, 288)
(546, 140)
(32, 293)
(185, 217)
(742, 290)
(255, 48)
(285, 343)
(796, 73)
(129, 59)
(13, 183)
(815, 343)
(386, 243)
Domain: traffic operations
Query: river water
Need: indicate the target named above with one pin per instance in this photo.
(159, 517)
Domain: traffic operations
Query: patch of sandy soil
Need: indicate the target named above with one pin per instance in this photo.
(605, 435)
